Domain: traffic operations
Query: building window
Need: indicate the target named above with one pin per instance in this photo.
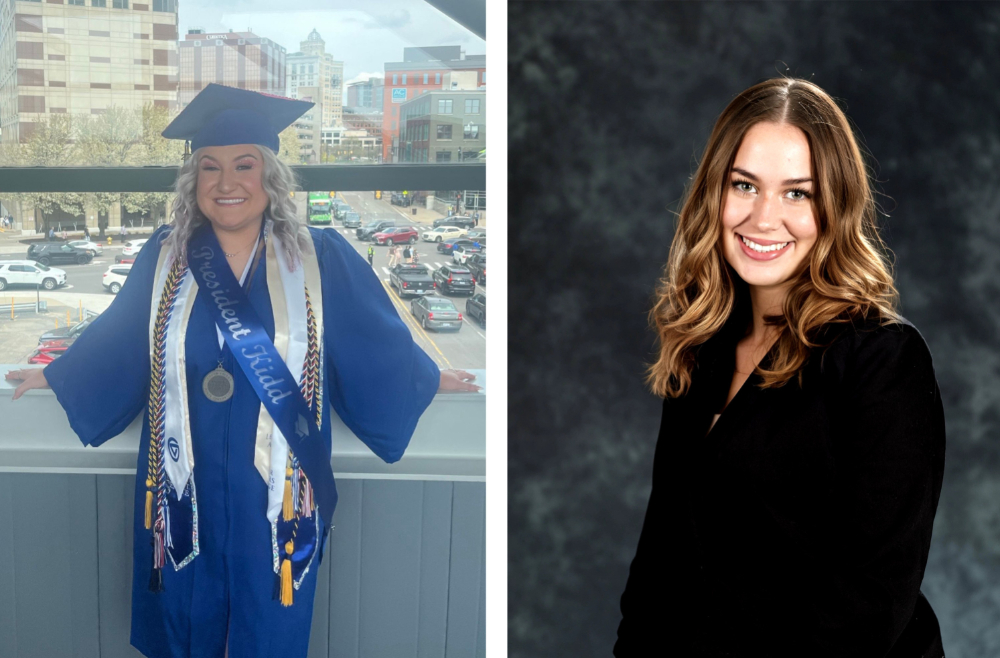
(472, 106)
(75, 2)
(425, 78)
(437, 78)
(484, 77)
(404, 78)
(311, 68)
(197, 44)
(393, 125)
(444, 131)
(442, 156)
(470, 131)
(119, 4)
(395, 79)
(444, 106)
(164, 5)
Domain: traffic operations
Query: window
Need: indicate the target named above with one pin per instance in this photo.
(164, 5)
(197, 44)
(98, 3)
(444, 106)
(311, 68)
(75, 2)
(484, 77)
(404, 78)
(444, 131)
(437, 78)
(472, 106)
(443, 156)
(395, 79)
(471, 131)
(119, 4)
(393, 125)
(425, 78)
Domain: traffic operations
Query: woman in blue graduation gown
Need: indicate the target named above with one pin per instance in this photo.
(213, 582)
(801, 450)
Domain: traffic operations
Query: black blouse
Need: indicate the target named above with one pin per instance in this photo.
(800, 525)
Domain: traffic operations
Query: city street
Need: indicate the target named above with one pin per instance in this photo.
(463, 349)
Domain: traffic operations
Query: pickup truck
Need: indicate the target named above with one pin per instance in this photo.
(411, 279)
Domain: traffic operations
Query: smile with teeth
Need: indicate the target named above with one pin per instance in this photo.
(229, 202)
(762, 249)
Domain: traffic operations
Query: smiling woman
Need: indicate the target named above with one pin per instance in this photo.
(801, 450)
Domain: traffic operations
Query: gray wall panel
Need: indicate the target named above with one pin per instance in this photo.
(344, 554)
(8, 569)
(386, 586)
(55, 553)
(465, 594)
(390, 568)
(435, 560)
(115, 495)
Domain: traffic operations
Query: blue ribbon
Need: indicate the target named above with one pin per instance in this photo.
(277, 389)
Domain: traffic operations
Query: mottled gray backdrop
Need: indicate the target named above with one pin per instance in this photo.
(610, 107)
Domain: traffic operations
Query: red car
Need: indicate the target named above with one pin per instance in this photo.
(396, 235)
(120, 259)
(48, 352)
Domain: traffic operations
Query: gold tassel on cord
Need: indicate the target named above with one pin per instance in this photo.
(149, 504)
(288, 503)
(286, 576)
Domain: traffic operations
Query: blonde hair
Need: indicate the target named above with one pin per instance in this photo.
(846, 277)
(277, 180)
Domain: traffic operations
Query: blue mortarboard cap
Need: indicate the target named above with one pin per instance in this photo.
(221, 116)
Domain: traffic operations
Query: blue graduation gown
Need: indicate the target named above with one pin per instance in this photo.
(370, 358)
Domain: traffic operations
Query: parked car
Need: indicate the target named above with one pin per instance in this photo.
(477, 265)
(47, 253)
(29, 273)
(453, 278)
(114, 278)
(396, 235)
(436, 313)
(132, 247)
(371, 228)
(64, 333)
(94, 248)
(442, 233)
(351, 219)
(448, 246)
(456, 220)
(475, 307)
(461, 254)
(46, 354)
(411, 279)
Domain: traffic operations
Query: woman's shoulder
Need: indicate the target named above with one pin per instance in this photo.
(878, 343)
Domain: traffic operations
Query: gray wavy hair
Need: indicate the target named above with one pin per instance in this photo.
(277, 179)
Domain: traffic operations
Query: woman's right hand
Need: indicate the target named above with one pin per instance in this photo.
(30, 378)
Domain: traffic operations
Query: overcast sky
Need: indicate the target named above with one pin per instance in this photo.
(363, 35)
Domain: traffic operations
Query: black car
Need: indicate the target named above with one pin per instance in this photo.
(475, 307)
(371, 228)
(477, 265)
(457, 220)
(449, 246)
(48, 253)
(340, 208)
(411, 279)
(454, 279)
(64, 333)
(398, 199)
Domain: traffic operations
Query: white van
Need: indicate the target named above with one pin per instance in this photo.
(115, 277)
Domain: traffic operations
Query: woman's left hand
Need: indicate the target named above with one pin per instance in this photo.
(457, 381)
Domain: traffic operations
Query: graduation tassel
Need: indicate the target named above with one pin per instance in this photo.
(149, 503)
(286, 576)
(288, 503)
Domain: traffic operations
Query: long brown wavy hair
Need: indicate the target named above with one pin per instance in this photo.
(847, 276)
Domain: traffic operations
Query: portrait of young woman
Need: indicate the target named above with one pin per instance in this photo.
(801, 448)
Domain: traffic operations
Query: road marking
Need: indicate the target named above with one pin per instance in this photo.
(465, 316)
(411, 321)
(386, 270)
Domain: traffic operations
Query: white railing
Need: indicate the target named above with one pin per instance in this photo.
(449, 442)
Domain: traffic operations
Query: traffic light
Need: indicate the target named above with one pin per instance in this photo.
(333, 195)
(378, 194)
